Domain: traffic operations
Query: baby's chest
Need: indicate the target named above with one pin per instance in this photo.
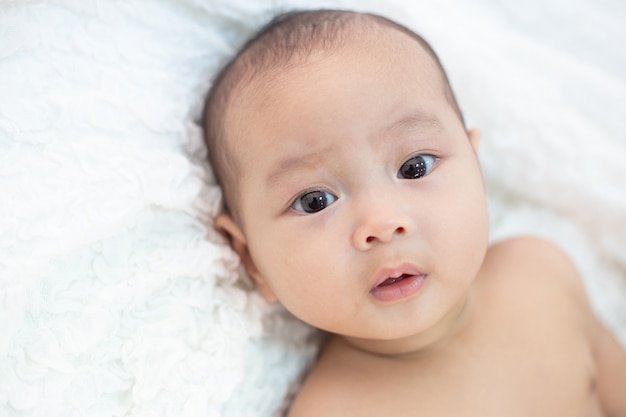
(515, 374)
(522, 382)
(493, 384)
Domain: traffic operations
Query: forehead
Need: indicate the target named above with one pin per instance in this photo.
(377, 66)
(382, 62)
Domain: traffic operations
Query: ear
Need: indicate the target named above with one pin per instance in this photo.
(227, 226)
(474, 138)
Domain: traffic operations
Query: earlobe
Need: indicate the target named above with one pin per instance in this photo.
(474, 138)
(229, 228)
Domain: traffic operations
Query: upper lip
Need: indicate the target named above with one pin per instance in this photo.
(395, 272)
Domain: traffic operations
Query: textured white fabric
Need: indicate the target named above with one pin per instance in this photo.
(117, 298)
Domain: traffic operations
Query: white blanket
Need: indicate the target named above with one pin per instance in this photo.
(117, 298)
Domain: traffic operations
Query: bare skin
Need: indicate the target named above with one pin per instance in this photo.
(428, 320)
(527, 345)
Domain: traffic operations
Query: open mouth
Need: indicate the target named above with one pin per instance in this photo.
(396, 288)
(392, 280)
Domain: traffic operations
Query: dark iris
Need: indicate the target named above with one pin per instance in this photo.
(413, 168)
(314, 201)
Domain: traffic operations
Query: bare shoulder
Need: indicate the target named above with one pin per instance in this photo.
(532, 250)
(534, 259)
(512, 265)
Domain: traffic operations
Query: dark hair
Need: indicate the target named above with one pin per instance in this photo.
(286, 40)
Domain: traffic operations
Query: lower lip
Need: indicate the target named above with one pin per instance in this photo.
(399, 290)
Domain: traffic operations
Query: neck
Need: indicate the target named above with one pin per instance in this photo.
(434, 339)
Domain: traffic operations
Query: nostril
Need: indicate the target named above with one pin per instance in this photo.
(400, 230)
(370, 239)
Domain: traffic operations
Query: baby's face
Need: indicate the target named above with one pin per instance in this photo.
(362, 201)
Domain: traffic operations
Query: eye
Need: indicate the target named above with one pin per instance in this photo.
(417, 167)
(313, 201)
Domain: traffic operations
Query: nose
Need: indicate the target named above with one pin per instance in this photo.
(381, 222)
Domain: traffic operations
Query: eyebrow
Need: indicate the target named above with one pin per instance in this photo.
(309, 160)
(304, 161)
(413, 120)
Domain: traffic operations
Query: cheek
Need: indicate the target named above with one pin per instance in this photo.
(463, 235)
(304, 269)
(292, 262)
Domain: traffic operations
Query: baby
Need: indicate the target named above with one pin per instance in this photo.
(354, 198)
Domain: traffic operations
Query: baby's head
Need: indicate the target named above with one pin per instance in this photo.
(354, 192)
(287, 41)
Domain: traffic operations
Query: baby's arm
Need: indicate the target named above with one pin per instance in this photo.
(611, 370)
(609, 356)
